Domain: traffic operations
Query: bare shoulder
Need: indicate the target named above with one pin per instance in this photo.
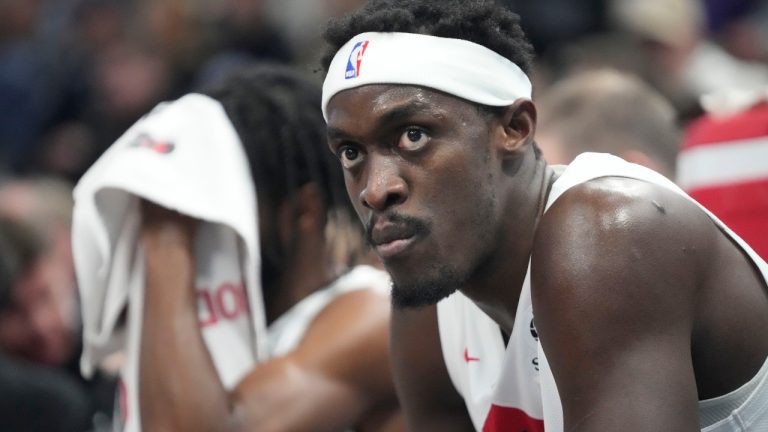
(617, 222)
(339, 376)
(349, 337)
(614, 249)
(615, 270)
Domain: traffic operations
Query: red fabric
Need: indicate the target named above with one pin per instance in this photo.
(743, 207)
(506, 419)
(711, 130)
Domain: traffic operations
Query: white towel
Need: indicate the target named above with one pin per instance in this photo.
(184, 155)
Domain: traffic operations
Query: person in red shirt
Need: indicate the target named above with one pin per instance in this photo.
(723, 164)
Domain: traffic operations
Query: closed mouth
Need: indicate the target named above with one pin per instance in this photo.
(389, 249)
(392, 233)
(390, 239)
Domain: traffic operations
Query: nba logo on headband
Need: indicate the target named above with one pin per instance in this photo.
(354, 60)
(454, 66)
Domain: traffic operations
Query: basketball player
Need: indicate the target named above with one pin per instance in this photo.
(598, 297)
(328, 324)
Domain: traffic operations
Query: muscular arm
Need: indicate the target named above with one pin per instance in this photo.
(614, 285)
(429, 400)
(339, 372)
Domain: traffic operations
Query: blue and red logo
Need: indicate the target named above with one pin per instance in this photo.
(355, 59)
(145, 141)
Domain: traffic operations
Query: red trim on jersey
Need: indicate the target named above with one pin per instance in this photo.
(508, 419)
(741, 206)
(467, 358)
(711, 130)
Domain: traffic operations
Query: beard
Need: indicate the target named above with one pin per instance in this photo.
(421, 292)
(427, 291)
(440, 279)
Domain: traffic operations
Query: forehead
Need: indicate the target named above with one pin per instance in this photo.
(361, 105)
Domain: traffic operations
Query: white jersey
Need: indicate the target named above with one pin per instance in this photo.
(223, 317)
(223, 314)
(286, 332)
(512, 388)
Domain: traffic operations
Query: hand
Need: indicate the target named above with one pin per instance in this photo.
(161, 225)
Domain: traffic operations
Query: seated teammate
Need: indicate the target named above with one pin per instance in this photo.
(328, 319)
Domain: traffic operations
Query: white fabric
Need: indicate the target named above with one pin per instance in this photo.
(731, 101)
(739, 161)
(184, 155)
(512, 382)
(476, 358)
(455, 66)
(715, 414)
(286, 332)
(710, 69)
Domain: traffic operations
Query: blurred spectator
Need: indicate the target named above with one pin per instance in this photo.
(741, 26)
(619, 51)
(75, 73)
(98, 25)
(245, 28)
(40, 323)
(251, 31)
(724, 163)
(129, 79)
(551, 23)
(66, 150)
(41, 326)
(302, 22)
(32, 397)
(674, 33)
(624, 48)
(25, 98)
(43, 77)
(610, 112)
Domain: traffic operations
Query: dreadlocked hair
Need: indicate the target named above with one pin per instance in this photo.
(276, 113)
(480, 21)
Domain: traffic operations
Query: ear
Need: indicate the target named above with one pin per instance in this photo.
(301, 216)
(518, 127)
(310, 212)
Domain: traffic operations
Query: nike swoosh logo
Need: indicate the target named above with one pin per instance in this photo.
(467, 358)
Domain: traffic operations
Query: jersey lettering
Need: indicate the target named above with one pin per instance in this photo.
(227, 302)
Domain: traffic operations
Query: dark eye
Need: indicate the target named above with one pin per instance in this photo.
(350, 153)
(349, 156)
(413, 139)
(414, 135)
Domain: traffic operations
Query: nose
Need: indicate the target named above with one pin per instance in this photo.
(385, 186)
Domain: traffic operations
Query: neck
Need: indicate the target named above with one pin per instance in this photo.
(307, 270)
(497, 283)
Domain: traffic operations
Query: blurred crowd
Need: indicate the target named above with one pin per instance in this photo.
(75, 74)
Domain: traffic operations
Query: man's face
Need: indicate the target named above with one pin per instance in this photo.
(36, 325)
(422, 174)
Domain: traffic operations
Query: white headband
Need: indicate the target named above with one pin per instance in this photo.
(454, 66)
